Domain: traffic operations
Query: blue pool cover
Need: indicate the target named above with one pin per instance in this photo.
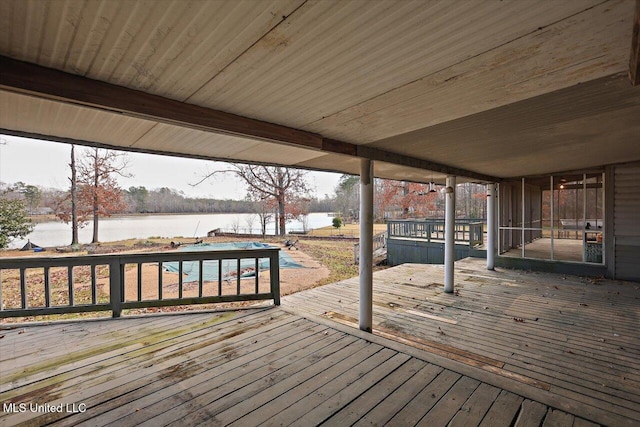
(191, 269)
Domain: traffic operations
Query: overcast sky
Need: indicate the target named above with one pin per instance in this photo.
(45, 164)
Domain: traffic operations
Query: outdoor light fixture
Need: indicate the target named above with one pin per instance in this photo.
(562, 181)
(432, 187)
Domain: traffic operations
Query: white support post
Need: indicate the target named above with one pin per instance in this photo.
(491, 226)
(584, 213)
(449, 233)
(366, 245)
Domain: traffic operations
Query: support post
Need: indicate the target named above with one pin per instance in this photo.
(366, 245)
(449, 233)
(584, 213)
(115, 287)
(491, 226)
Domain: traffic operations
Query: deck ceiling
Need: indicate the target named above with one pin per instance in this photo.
(486, 90)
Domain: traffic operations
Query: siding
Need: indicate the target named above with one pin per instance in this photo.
(626, 221)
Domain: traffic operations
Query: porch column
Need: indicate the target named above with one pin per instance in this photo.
(449, 233)
(366, 244)
(491, 225)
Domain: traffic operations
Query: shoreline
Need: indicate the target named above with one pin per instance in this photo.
(53, 217)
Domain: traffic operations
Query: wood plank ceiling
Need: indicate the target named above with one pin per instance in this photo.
(491, 89)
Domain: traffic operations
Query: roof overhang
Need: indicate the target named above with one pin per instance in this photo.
(503, 90)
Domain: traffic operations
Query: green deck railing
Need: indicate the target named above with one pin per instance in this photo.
(466, 230)
(99, 282)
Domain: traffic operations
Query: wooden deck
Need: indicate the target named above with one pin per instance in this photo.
(563, 250)
(569, 342)
(461, 360)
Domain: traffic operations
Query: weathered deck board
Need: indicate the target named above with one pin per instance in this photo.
(451, 402)
(394, 402)
(268, 403)
(531, 414)
(234, 367)
(247, 368)
(474, 409)
(369, 400)
(574, 337)
(503, 410)
(278, 366)
(79, 362)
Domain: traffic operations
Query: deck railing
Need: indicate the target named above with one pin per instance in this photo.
(466, 230)
(102, 282)
(379, 242)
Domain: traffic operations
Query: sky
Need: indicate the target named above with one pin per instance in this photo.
(46, 164)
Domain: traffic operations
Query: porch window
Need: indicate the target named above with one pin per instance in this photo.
(557, 217)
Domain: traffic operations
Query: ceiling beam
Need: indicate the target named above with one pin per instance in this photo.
(26, 78)
(377, 154)
(47, 83)
(634, 59)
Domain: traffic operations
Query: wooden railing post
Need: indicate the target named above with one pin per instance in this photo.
(274, 274)
(115, 287)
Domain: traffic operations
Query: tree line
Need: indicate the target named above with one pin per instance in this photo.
(408, 200)
(275, 194)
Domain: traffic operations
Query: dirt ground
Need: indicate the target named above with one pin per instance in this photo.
(291, 280)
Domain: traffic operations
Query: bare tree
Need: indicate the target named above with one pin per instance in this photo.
(249, 221)
(277, 182)
(99, 188)
(66, 205)
(235, 225)
(74, 209)
(264, 210)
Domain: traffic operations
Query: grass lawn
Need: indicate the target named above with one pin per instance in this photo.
(347, 230)
(335, 254)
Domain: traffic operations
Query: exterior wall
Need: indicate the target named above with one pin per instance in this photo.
(622, 225)
(626, 222)
(400, 251)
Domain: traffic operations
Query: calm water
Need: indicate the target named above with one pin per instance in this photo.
(124, 227)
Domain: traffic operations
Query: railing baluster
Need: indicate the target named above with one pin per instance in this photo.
(257, 274)
(23, 288)
(160, 280)
(70, 283)
(47, 288)
(139, 281)
(220, 277)
(180, 279)
(0, 290)
(122, 282)
(274, 276)
(115, 288)
(94, 285)
(200, 277)
(238, 277)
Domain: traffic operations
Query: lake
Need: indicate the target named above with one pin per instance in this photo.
(57, 233)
